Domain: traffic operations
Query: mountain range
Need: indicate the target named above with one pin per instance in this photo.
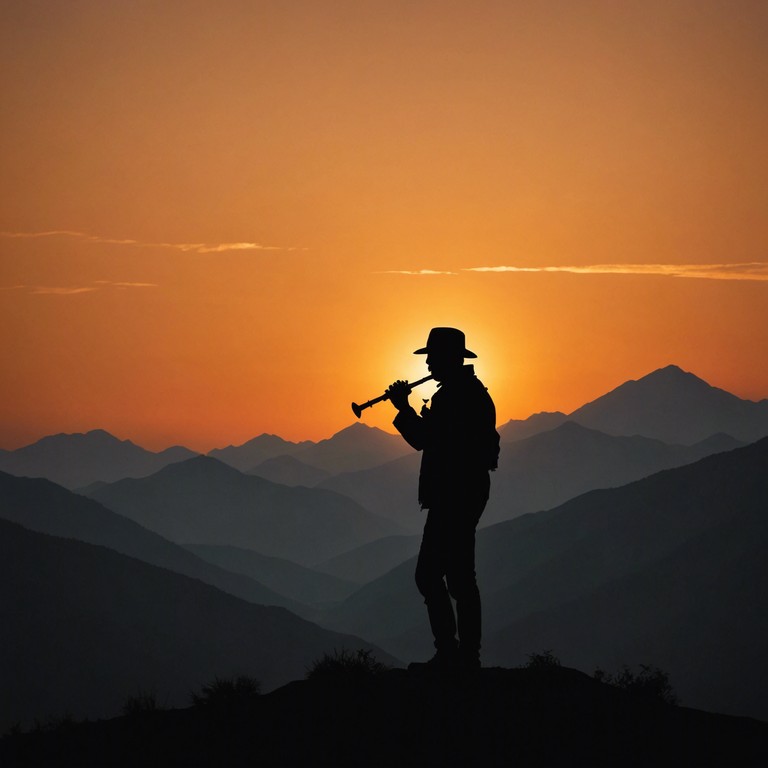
(630, 531)
(534, 473)
(81, 459)
(353, 448)
(204, 501)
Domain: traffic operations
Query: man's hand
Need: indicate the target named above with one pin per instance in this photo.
(397, 394)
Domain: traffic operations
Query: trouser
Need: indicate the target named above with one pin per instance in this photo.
(445, 569)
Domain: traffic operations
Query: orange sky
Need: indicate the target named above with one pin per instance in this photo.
(222, 219)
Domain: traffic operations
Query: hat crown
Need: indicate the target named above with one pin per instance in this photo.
(446, 341)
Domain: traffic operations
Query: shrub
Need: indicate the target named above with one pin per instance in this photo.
(143, 702)
(650, 682)
(227, 693)
(344, 664)
(545, 660)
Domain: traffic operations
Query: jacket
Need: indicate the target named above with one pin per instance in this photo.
(458, 439)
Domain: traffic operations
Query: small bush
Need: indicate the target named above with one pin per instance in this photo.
(227, 693)
(650, 683)
(143, 702)
(545, 660)
(344, 664)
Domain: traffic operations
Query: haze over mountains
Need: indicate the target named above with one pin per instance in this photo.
(45, 507)
(667, 565)
(203, 501)
(87, 627)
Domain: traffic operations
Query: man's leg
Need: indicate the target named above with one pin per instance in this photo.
(462, 585)
(430, 569)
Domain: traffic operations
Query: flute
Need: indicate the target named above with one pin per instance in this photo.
(358, 409)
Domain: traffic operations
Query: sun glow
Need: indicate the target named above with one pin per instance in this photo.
(203, 239)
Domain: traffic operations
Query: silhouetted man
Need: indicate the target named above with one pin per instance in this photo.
(458, 438)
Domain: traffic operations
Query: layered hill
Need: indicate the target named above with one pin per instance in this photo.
(370, 561)
(304, 585)
(619, 542)
(288, 470)
(535, 473)
(85, 627)
(255, 451)
(668, 404)
(203, 501)
(352, 448)
(80, 459)
(45, 507)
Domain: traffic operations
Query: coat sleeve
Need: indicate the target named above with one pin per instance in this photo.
(412, 427)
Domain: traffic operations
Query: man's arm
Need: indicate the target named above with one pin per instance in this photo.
(407, 422)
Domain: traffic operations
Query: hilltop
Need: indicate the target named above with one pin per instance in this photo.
(534, 716)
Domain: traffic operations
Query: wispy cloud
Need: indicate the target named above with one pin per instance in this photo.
(756, 270)
(74, 290)
(182, 247)
(124, 284)
(414, 272)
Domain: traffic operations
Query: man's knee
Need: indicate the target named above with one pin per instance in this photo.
(429, 583)
(463, 586)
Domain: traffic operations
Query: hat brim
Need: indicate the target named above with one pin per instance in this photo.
(425, 351)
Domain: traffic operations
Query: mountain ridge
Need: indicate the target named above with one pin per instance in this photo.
(79, 459)
(667, 404)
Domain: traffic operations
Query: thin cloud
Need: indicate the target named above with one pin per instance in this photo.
(182, 247)
(74, 290)
(414, 272)
(125, 284)
(756, 270)
(49, 290)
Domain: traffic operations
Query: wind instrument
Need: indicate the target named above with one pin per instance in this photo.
(358, 409)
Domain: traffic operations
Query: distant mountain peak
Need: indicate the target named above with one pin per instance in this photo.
(203, 466)
(675, 406)
(355, 427)
(673, 373)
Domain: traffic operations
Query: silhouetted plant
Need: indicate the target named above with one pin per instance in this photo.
(544, 660)
(227, 693)
(650, 682)
(346, 664)
(143, 702)
(13, 730)
(53, 723)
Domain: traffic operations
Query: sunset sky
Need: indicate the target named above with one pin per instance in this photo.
(226, 218)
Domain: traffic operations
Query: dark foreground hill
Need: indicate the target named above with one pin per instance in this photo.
(501, 717)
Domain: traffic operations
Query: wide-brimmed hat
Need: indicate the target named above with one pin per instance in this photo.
(448, 341)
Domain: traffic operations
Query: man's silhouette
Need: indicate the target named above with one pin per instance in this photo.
(458, 438)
